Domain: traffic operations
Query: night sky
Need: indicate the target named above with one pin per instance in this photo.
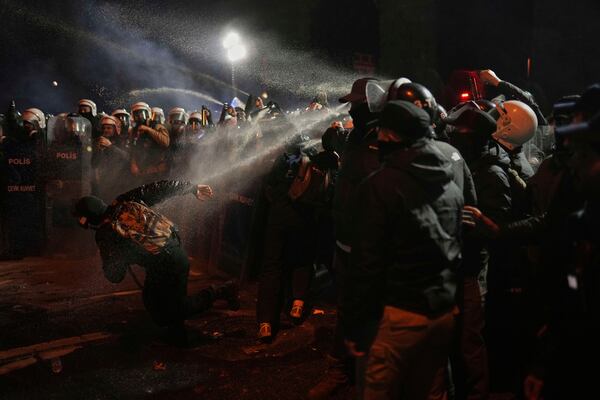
(103, 49)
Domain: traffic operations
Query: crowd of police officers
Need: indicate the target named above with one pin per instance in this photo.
(462, 243)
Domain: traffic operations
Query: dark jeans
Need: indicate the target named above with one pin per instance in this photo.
(289, 252)
(339, 352)
(165, 289)
(408, 351)
(469, 358)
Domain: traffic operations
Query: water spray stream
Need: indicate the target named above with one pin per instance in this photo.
(164, 90)
(240, 160)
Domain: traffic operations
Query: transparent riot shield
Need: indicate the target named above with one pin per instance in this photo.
(69, 178)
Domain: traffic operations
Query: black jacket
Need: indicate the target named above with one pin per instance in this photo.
(474, 254)
(462, 173)
(406, 238)
(360, 158)
(119, 253)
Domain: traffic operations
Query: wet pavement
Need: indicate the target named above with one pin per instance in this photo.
(45, 299)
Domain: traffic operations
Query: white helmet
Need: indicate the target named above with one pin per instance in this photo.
(158, 115)
(140, 105)
(120, 111)
(141, 108)
(516, 125)
(178, 114)
(89, 103)
(35, 115)
(110, 120)
(198, 119)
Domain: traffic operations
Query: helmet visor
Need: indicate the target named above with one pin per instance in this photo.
(75, 126)
(141, 115)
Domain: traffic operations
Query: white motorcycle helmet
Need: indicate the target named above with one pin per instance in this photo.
(195, 120)
(516, 124)
(141, 111)
(35, 115)
(114, 121)
(178, 114)
(158, 115)
(89, 103)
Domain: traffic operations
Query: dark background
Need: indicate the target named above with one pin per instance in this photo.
(103, 49)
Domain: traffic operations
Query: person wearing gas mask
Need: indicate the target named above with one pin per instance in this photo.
(149, 143)
(110, 162)
(359, 159)
(34, 122)
(125, 118)
(178, 119)
(502, 193)
(157, 116)
(187, 145)
(406, 246)
(129, 231)
(87, 109)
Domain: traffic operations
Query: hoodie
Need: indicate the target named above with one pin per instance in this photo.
(406, 241)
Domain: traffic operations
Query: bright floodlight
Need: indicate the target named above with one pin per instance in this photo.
(236, 53)
(231, 39)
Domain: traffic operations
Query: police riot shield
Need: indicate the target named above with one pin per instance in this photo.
(69, 171)
(22, 195)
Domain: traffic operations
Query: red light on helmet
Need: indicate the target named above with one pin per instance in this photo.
(465, 96)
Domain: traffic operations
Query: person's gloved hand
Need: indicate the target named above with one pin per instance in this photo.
(203, 192)
(489, 77)
(103, 142)
(474, 218)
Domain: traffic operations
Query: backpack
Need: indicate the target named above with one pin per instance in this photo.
(139, 223)
(310, 183)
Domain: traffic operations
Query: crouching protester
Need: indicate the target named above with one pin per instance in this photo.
(129, 232)
(405, 246)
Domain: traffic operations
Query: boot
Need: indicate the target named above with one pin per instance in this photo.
(230, 292)
(297, 311)
(335, 378)
(265, 332)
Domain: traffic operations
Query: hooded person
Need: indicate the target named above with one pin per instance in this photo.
(359, 158)
(405, 247)
(468, 360)
(129, 231)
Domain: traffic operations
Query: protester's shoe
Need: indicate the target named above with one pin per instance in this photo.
(335, 379)
(265, 332)
(297, 311)
(230, 292)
